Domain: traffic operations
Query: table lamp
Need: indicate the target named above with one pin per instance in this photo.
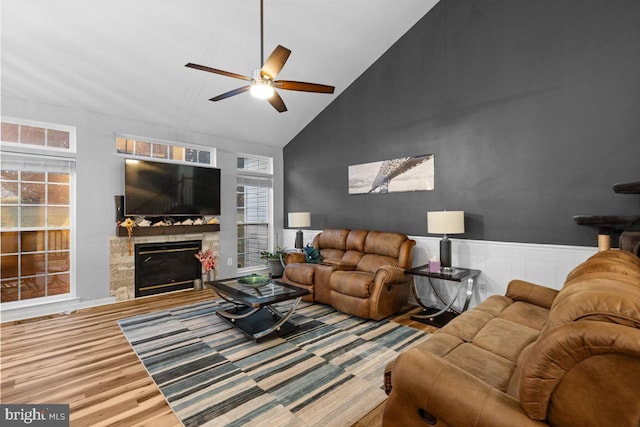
(299, 220)
(445, 222)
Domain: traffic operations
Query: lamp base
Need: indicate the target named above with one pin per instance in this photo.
(445, 252)
(299, 240)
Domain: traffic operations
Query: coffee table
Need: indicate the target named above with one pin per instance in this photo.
(253, 298)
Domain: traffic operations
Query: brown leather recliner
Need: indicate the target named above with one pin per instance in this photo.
(362, 272)
(534, 357)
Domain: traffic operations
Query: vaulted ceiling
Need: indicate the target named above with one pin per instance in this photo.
(126, 58)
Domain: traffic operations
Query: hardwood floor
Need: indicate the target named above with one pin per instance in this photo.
(83, 359)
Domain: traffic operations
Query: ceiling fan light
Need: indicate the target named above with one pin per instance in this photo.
(261, 90)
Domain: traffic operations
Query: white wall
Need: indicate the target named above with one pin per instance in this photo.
(100, 176)
(499, 262)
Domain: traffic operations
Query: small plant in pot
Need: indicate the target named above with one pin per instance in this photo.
(273, 261)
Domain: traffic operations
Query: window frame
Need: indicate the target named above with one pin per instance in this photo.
(213, 160)
(256, 174)
(44, 154)
(17, 147)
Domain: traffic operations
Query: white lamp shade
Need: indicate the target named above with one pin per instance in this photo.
(299, 219)
(445, 222)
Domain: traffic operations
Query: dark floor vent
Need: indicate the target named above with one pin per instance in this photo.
(166, 266)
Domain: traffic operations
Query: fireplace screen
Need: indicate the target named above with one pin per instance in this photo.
(166, 266)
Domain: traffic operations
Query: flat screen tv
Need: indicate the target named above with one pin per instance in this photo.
(170, 189)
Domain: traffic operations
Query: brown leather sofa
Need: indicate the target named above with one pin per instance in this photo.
(534, 357)
(362, 272)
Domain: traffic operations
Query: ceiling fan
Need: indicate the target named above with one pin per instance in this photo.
(263, 83)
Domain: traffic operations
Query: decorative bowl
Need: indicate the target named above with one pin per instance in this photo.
(255, 280)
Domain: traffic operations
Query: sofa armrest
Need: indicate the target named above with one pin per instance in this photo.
(520, 290)
(293, 258)
(425, 385)
(584, 373)
(338, 264)
(389, 275)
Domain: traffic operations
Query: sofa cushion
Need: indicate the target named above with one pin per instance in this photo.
(608, 268)
(489, 367)
(505, 338)
(354, 283)
(601, 299)
(301, 273)
(333, 239)
(532, 316)
(383, 243)
(467, 325)
(371, 262)
(350, 259)
(439, 344)
(494, 305)
(355, 240)
(329, 254)
(624, 256)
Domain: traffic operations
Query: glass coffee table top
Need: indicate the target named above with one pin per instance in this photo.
(256, 290)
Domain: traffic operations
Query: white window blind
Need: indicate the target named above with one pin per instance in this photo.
(254, 210)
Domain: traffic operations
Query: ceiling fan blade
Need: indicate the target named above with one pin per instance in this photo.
(303, 86)
(277, 103)
(275, 62)
(230, 93)
(216, 71)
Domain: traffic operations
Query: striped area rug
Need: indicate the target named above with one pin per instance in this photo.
(328, 372)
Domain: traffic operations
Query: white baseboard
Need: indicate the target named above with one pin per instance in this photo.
(48, 308)
(499, 262)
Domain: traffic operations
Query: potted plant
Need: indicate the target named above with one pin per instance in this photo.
(273, 260)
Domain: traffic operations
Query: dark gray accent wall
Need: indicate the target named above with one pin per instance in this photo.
(531, 107)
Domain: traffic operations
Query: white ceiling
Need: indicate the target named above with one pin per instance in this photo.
(126, 58)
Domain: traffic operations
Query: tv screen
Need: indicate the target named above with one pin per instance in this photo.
(169, 189)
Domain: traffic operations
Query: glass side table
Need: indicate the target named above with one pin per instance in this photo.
(441, 316)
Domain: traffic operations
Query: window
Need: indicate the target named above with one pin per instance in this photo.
(163, 150)
(254, 210)
(36, 203)
(28, 135)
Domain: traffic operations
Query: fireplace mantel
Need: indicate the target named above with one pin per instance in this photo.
(168, 230)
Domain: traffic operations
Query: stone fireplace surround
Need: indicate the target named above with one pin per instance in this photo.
(122, 264)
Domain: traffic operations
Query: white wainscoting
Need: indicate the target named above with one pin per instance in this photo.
(499, 262)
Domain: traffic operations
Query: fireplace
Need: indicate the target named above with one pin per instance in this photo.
(166, 266)
(122, 271)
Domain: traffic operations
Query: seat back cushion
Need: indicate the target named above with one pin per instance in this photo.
(602, 299)
(355, 240)
(332, 243)
(625, 256)
(605, 267)
(384, 243)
